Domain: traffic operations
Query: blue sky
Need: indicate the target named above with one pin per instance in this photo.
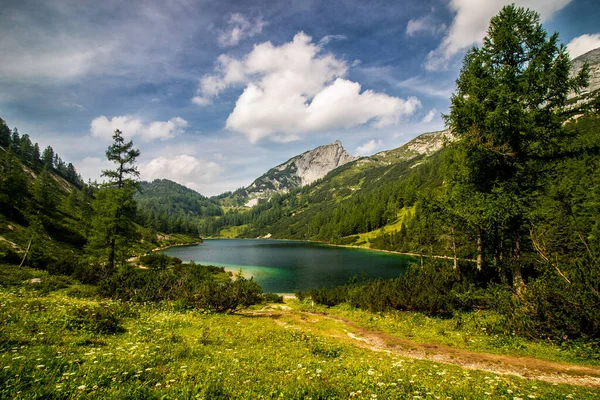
(214, 93)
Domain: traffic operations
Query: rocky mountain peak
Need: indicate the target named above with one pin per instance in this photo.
(592, 58)
(298, 171)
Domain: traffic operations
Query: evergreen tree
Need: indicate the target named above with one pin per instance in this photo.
(508, 113)
(5, 136)
(48, 157)
(13, 182)
(113, 229)
(45, 193)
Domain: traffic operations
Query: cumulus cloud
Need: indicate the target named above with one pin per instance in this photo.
(91, 167)
(293, 89)
(369, 148)
(430, 116)
(471, 21)
(582, 44)
(133, 127)
(239, 27)
(184, 169)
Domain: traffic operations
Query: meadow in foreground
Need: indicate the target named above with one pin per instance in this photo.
(58, 340)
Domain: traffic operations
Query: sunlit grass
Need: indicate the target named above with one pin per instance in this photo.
(474, 331)
(51, 347)
(403, 215)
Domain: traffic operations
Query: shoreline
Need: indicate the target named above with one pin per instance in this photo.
(349, 246)
(176, 245)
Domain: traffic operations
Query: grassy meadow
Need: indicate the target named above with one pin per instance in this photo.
(59, 340)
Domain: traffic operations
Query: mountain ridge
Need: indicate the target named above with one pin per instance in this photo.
(298, 171)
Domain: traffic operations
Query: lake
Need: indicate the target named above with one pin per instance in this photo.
(281, 266)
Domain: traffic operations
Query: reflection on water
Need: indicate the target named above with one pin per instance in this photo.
(281, 266)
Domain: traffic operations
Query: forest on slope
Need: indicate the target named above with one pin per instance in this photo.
(46, 210)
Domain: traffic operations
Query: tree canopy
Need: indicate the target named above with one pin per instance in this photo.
(508, 114)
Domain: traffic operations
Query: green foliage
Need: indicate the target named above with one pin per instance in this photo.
(191, 285)
(432, 288)
(166, 206)
(508, 114)
(157, 261)
(98, 319)
(273, 298)
(113, 230)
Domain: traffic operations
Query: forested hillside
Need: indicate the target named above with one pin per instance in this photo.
(47, 211)
(167, 206)
(361, 196)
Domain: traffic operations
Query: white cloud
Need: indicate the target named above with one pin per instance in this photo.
(184, 169)
(582, 44)
(293, 89)
(70, 58)
(369, 148)
(471, 21)
(430, 116)
(426, 24)
(326, 39)
(239, 27)
(134, 127)
(92, 167)
(427, 87)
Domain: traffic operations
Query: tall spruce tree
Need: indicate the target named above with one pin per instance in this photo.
(113, 229)
(507, 113)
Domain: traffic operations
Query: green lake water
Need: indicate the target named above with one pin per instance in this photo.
(281, 266)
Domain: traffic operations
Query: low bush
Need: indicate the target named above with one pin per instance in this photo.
(157, 261)
(556, 308)
(432, 288)
(204, 287)
(97, 319)
(8, 255)
(272, 298)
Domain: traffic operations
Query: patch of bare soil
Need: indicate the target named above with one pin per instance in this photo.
(524, 367)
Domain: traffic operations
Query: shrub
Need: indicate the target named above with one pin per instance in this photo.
(272, 298)
(432, 288)
(8, 255)
(187, 284)
(98, 319)
(552, 307)
(156, 260)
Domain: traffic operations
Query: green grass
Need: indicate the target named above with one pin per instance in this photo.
(366, 237)
(66, 343)
(474, 331)
(231, 232)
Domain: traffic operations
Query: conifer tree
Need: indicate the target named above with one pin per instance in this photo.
(508, 113)
(113, 229)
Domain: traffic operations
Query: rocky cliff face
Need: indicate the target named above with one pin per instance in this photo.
(298, 171)
(592, 58)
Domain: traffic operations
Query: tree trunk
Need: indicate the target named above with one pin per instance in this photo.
(518, 282)
(479, 249)
(26, 252)
(454, 252)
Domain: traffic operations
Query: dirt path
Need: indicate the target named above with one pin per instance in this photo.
(524, 367)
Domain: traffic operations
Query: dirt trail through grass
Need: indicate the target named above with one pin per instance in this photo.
(525, 367)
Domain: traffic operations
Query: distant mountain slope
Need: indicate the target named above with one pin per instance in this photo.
(370, 192)
(592, 58)
(168, 206)
(298, 171)
(424, 144)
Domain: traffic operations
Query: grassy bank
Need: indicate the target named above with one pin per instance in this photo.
(58, 340)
